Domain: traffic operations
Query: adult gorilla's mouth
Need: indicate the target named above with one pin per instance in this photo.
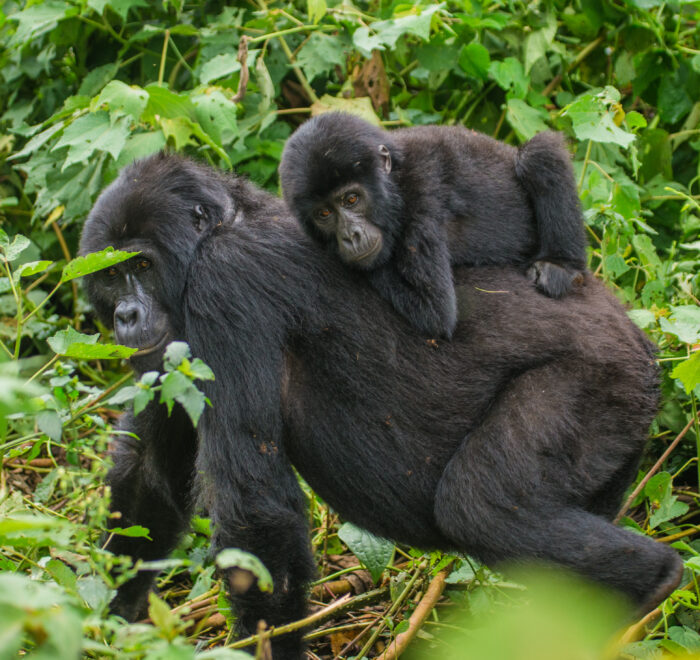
(153, 347)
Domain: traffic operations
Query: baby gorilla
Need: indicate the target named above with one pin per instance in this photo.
(406, 205)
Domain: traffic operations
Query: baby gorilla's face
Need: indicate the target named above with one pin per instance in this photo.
(343, 216)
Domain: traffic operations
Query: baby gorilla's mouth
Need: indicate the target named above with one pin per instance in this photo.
(368, 256)
(153, 347)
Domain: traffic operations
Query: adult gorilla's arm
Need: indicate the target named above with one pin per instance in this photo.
(236, 320)
(151, 483)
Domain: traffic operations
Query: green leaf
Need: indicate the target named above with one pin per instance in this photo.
(321, 54)
(475, 61)
(235, 558)
(688, 372)
(510, 75)
(118, 96)
(375, 553)
(33, 267)
(135, 531)
(50, 423)
(538, 42)
(93, 262)
(60, 342)
(387, 33)
(175, 353)
(316, 9)
(99, 351)
(40, 18)
(592, 120)
(646, 251)
(166, 104)
(121, 7)
(642, 318)
(12, 250)
(525, 120)
(219, 66)
(94, 592)
(90, 133)
(177, 387)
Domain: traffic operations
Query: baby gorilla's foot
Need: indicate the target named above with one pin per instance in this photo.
(554, 280)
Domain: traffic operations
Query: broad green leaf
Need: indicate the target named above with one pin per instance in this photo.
(510, 75)
(219, 66)
(217, 116)
(475, 60)
(688, 372)
(592, 120)
(94, 592)
(525, 120)
(166, 104)
(387, 33)
(235, 558)
(40, 18)
(177, 387)
(321, 54)
(93, 262)
(175, 353)
(374, 553)
(90, 133)
(642, 318)
(646, 251)
(119, 96)
(60, 342)
(166, 621)
(49, 422)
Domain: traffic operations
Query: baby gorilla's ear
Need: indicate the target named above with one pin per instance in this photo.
(386, 157)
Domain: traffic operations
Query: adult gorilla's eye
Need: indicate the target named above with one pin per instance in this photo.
(199, 211)
(112, 272)
(351, 199)
(143, 264)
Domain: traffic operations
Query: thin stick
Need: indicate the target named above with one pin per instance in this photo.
(653, 470)
(420, 614)
(243, 59)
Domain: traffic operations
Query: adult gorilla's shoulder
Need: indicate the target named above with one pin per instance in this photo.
(515, 440)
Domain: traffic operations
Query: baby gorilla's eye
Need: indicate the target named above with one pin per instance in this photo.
(323, 214)
(351, 199)
(143, 264)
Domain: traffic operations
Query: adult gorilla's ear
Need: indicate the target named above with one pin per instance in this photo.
(386, 158)
(200, 217)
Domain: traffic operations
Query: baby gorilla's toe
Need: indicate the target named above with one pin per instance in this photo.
(554, 280)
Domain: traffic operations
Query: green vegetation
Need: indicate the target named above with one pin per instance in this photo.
(86, 86)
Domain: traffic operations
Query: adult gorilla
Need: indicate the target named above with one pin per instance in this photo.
(515, 440)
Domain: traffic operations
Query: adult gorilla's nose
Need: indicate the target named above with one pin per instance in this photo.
(128, 319)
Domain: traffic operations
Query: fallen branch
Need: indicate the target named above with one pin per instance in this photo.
(420, 614)
(653, 470)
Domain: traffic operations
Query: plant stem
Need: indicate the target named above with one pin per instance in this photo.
(161, 69)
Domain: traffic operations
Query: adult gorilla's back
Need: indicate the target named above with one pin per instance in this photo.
(514, 440)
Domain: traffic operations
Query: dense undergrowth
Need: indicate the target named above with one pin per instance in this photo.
(88, 85)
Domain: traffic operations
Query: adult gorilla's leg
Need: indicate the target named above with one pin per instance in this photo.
(515, 488)
(256, 505)
(151, 483)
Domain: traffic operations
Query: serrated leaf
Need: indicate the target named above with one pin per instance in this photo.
(175, 353)
(60, 342)
(525, 120)
(94, 592)
(121, 7)
(321, 53)
(119, 96)
(375, 553)
(592, 120)
(12, 250)
(362, 107)
(90, 133)
(642, 318)
(235, 558)
(93, 262)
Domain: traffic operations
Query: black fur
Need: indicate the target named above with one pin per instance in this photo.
(453, 196)
(514, 441)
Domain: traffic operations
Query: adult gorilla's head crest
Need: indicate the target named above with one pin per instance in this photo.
(161, 207)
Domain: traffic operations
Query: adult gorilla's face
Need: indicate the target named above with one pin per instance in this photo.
(161, 211)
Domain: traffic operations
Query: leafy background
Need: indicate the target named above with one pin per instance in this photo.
(86, 86)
